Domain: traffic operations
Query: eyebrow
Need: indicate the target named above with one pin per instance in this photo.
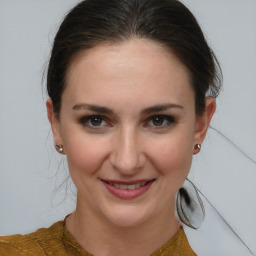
(159, 108)
(105, 110)
(94, 108)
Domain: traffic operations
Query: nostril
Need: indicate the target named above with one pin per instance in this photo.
(127, 164)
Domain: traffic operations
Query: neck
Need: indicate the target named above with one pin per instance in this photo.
(99, 237)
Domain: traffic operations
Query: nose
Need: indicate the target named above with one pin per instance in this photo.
(127, 156)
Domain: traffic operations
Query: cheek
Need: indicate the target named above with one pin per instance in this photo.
(85, 154)
(173, 155)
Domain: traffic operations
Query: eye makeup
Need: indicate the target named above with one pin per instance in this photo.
(101, 122)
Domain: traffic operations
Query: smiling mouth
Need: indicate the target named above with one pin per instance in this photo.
(133, 186)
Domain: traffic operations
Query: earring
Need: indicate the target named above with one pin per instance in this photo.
(197, 147)
(59, 148)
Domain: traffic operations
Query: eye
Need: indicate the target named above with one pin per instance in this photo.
(160, 121)
(94, 122)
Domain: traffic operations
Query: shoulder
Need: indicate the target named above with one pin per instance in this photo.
(42, 242)
(178, 245)
(185, 248)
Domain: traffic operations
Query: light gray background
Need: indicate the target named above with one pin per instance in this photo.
(31, 171)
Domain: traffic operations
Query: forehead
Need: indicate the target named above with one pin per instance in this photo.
(137, 67)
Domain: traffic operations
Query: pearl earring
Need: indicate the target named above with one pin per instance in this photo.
(59, 148)
(197, 147)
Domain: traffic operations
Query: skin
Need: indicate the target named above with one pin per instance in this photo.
(127, 144)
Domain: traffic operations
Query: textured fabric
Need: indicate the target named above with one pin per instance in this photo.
(56, 240)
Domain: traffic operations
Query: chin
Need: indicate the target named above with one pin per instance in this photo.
(128, 216)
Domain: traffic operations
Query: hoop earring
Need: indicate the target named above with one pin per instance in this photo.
(189, 205)
(59, 148)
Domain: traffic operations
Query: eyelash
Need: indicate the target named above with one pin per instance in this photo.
(167, 119)
(84, 121)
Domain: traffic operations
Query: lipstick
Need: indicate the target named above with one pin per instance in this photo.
(127, 190)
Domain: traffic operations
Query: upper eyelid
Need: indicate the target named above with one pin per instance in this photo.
(87, 117)
(163, 116)
(105, 117)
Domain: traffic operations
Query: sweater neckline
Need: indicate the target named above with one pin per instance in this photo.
(70, 242)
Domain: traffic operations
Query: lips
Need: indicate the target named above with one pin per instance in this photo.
(127, 190)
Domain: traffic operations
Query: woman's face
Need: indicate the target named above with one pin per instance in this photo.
(128, 126)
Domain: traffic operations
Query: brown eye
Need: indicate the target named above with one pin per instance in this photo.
(95, 121)
(158, 121)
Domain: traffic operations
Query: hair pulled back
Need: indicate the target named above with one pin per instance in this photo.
(167, 22)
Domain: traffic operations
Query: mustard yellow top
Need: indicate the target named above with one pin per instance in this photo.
(56, 240)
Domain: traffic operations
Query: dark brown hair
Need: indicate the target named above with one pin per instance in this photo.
(167, 22)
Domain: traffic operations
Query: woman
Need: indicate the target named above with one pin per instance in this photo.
(131, 89)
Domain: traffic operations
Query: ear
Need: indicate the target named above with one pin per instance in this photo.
(54, 121)
(203, 121)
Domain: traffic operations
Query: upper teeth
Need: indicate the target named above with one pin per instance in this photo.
(130, 187)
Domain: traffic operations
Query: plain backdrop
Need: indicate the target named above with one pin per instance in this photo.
(31, 172)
